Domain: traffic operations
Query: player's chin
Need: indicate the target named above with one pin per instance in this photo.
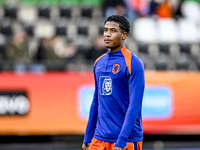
(108, 45)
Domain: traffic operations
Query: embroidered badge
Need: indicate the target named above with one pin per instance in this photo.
(115, 68)
(105, 85)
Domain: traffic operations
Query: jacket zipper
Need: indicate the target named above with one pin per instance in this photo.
(108, 60)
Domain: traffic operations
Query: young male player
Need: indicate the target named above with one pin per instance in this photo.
(115, 120)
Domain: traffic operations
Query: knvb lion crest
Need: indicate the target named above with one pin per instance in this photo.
(115, 68)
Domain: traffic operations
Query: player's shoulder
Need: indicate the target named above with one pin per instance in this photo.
(129, 56)
(136, 59)
(133, 62)
(136, 63)
(97, 60)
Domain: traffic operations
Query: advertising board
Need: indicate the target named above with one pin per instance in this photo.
(59, 102)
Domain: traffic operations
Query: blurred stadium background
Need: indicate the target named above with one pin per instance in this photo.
(47, 51)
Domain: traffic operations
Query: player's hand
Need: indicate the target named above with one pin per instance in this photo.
(118, 148)
(85, 147)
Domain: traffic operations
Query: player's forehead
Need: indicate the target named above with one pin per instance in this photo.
(111, 24)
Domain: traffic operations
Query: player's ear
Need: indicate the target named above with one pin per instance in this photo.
(124, 35)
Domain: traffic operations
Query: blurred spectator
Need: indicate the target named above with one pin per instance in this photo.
(17, 53)
(119, 7)
(97, 49)
(153, 6)
(2, 50)
(70, 54)
(165, 9)
(18, 49)
(46, 54)
(45, 49)
(56, 54)
(140, 7)
(178, 11)
(111, 7)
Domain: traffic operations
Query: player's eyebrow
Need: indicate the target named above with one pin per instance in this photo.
(110, 28)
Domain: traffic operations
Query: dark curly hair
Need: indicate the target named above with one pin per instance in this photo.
(124, 24)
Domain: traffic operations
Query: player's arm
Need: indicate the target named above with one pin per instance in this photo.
(91, 125)
(136, 90)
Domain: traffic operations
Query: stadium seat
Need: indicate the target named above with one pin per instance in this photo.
(153, 49)
(2, 46)
(143, 54)
(44, 29)
(185, 48)
(61, 29)
(27, 14)
(82, 30)
(86, 11)
(195, 50)
(143, 48)
(198, 63)
(167, 31)
(10, 11)
(182, 62)
(100, 30)
(164, 48)
(82, 27)
(144, 30)
(188, 31)
(29, 29)
(161, 62)
(65, 11)
(97, 13)
(6, 26)
(198, 31)
(44, 11)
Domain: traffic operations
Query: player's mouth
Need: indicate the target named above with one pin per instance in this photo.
(107, 41)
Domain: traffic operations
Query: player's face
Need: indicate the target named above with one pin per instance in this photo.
(113, 36)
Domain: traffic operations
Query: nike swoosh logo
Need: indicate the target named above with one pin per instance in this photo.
(99, 67)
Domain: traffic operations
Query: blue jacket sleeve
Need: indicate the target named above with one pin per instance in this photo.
(91, 125)
(136, 83)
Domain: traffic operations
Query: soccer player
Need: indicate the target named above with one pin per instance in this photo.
(115, 120)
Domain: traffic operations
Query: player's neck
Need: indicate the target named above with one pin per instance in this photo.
(115, 49)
